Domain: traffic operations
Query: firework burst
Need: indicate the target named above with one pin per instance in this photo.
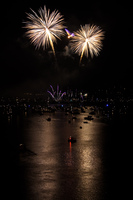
(87, 41)
(57, 96)
(44, 29)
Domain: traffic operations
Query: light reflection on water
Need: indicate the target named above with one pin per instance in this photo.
(62, 170)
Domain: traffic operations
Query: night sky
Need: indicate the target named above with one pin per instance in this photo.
(25, 69)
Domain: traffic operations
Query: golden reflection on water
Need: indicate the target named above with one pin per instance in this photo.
(41, 173)
(90, 160)
(57, 160)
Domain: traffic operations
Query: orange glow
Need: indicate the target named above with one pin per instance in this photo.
(70, 146)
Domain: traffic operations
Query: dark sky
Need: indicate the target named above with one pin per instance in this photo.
(25, 69)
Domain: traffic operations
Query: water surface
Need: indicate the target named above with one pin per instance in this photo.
(52, 168)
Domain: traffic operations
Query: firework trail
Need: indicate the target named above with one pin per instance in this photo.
(87, 41)
(44, 29)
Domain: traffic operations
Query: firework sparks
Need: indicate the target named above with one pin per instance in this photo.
(87, 41)
(57, 96)
(69, 34)
(44, 29)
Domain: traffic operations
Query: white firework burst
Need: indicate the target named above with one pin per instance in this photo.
(44, 29)
(87, 41)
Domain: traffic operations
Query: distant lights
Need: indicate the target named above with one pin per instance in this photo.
(85, 95)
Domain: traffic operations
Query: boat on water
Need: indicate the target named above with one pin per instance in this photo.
(89, 117)
(48, 119)
(71, 139)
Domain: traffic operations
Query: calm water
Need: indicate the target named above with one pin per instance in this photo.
(93, 168)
